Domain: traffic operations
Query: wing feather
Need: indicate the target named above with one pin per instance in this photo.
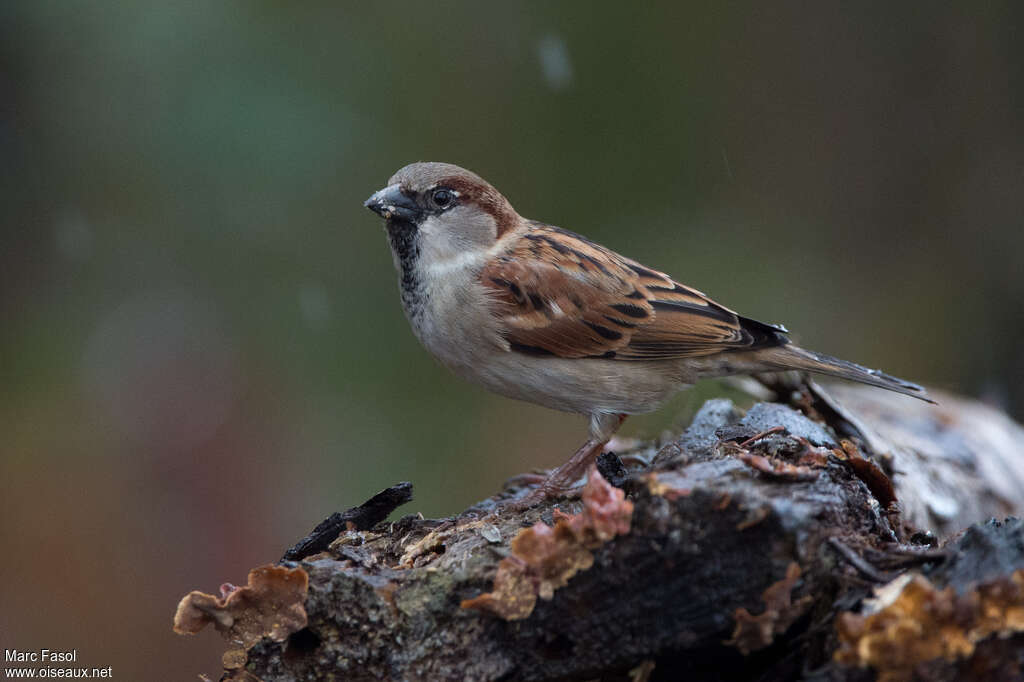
(556, 293)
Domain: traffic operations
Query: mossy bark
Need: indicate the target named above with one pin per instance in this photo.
(744, 550)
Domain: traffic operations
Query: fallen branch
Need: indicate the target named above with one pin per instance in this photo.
(750, 547)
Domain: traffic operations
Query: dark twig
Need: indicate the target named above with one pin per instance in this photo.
(857, 561)
(363, 517)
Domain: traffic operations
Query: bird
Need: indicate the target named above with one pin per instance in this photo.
(537, 313)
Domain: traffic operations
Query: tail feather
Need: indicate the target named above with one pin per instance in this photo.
(793, 357)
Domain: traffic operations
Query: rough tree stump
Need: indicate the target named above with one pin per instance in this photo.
(816, 538)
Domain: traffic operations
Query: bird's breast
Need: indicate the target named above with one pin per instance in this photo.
(449, 313)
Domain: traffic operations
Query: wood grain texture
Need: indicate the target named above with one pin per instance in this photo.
(747, 544)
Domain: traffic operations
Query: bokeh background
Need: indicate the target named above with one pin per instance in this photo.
(202, 348)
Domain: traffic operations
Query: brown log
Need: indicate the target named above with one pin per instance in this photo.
(748, 548)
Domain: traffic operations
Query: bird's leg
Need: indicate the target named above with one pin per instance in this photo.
(561, 480)
(764, 434)
(519, 480)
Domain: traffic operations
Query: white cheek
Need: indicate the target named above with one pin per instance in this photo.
(459, 236)
(475, 226)
(431, 227)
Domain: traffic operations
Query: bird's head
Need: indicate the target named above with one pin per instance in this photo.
(448, 210)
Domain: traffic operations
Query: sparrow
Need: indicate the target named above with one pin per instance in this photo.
(541, 314)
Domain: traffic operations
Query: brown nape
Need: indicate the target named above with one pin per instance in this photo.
(487, 198)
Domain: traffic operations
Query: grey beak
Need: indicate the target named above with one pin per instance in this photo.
(391, 202)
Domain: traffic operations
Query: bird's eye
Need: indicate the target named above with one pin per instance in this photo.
(443, 198)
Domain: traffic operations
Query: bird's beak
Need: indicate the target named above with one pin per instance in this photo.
(391, 202)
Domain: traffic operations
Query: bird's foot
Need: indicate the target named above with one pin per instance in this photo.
(539, 495)
(764, 434)
(526, 479)
(562, 481)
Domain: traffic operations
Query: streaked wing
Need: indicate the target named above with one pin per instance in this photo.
(556, 293)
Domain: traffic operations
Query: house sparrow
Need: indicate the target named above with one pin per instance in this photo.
(538, 313)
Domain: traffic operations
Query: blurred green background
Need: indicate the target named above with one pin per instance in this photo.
(203, 352)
